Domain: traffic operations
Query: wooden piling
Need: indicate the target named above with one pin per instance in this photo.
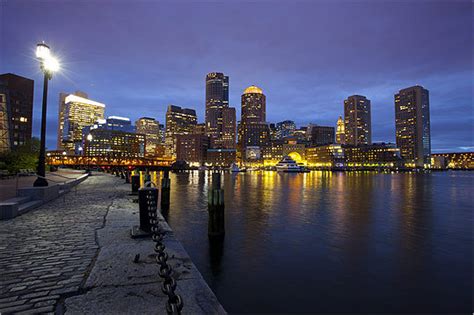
(215, 207)
(165, 191)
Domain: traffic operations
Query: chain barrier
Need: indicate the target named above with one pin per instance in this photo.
(174, 305)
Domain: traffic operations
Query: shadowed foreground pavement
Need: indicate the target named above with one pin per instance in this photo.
(75, 255)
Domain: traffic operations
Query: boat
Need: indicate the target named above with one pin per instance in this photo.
(235, 169)
(288, 165)
(203, 168)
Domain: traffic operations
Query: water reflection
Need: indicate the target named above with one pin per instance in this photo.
(356, 242)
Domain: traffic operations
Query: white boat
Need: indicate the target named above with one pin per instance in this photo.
(288, 165)
(235, 169)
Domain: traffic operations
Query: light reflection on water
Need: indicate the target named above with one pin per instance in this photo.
(340, 242)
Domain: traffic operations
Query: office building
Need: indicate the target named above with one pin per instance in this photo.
(320, 135)
(220, 157)
(372, 155)
(16, 93)
(150, 128)
(357, 121)
(192, 148)
(253, 130)
(412, 125)
(285, 129)
(340, 134)
(79, 113)
(61, 110)
(220, 118)
(325, 156)
(179, 121)
(112, 138)
(453, 160)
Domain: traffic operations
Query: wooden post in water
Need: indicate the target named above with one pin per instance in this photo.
(135, 179)
(215, 207)
(165, 191)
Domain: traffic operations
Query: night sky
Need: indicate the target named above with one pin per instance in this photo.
(307, 56)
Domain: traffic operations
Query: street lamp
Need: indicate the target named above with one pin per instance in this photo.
(89, 139)
(48, 65)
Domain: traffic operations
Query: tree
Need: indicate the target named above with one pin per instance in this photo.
(24, 156)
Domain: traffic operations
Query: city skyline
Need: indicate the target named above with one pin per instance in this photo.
(297, 94)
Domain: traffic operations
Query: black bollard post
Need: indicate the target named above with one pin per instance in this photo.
(122, 175)
(117, 172)
(135, 178)
(165, 191)
(147, 179)
(215, 207)
(127, 177)
(147, 201)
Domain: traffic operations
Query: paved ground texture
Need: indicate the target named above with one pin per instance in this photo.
(8, 185)
(75, 255)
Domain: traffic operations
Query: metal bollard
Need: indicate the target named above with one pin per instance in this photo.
(147, 200)
(215, 207)
(122, 175)
(165, 191)
(127, 177)
(135, 184)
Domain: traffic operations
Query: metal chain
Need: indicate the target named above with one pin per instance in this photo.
(174, 304)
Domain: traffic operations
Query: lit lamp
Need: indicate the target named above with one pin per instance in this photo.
(89, 139)
(48, 65)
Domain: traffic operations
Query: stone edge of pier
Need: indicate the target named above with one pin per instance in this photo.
(115, 283)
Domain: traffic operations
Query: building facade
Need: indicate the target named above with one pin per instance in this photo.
(320, 135)
(17, 109)
(373, 155)
(357, 120)
(179, 121)
(284, 129)
(220, 118)
(253, 130)
(114, 137)
(79, 113)
(453, 160)
(221, 158)
(151, 129)
(412, 125)
(192, 148)
(340, 134)
(61, 111)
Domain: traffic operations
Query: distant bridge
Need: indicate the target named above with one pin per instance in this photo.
(85, 161)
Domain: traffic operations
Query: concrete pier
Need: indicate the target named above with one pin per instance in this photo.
(76, 256)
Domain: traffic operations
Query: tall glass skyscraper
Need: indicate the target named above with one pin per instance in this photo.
(412, 125)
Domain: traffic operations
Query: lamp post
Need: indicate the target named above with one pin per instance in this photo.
(48, 65)
(89, 139)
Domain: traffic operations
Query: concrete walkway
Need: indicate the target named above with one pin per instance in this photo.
(77, 257)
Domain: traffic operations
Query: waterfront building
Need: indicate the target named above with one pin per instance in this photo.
(192, 148)
(301, 134)
(179, 121)
(253, 130)
(372, 155)
(295, 149)
(453, 160)
(61, 111)
(273, 152)
(162, 133)
(340, 134)
(114, 137)
(320, 135)
(412, 125)
(150, 128)
(220, 157)
(284, 129)
(79, 113)
(16, 101)
(357, 120)
(220, 118)
(272, 127)
(326, 156)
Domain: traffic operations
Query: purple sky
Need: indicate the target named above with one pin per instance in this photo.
(307, 56)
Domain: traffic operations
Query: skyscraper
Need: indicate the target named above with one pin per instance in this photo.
(320, 135)
(253, 129)
(357, 123)
(150, 128)
(412, 125)
(79, 112)
(220, 118)
(61, 109)
(179, 121)
(340, 134)
(18, 104)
